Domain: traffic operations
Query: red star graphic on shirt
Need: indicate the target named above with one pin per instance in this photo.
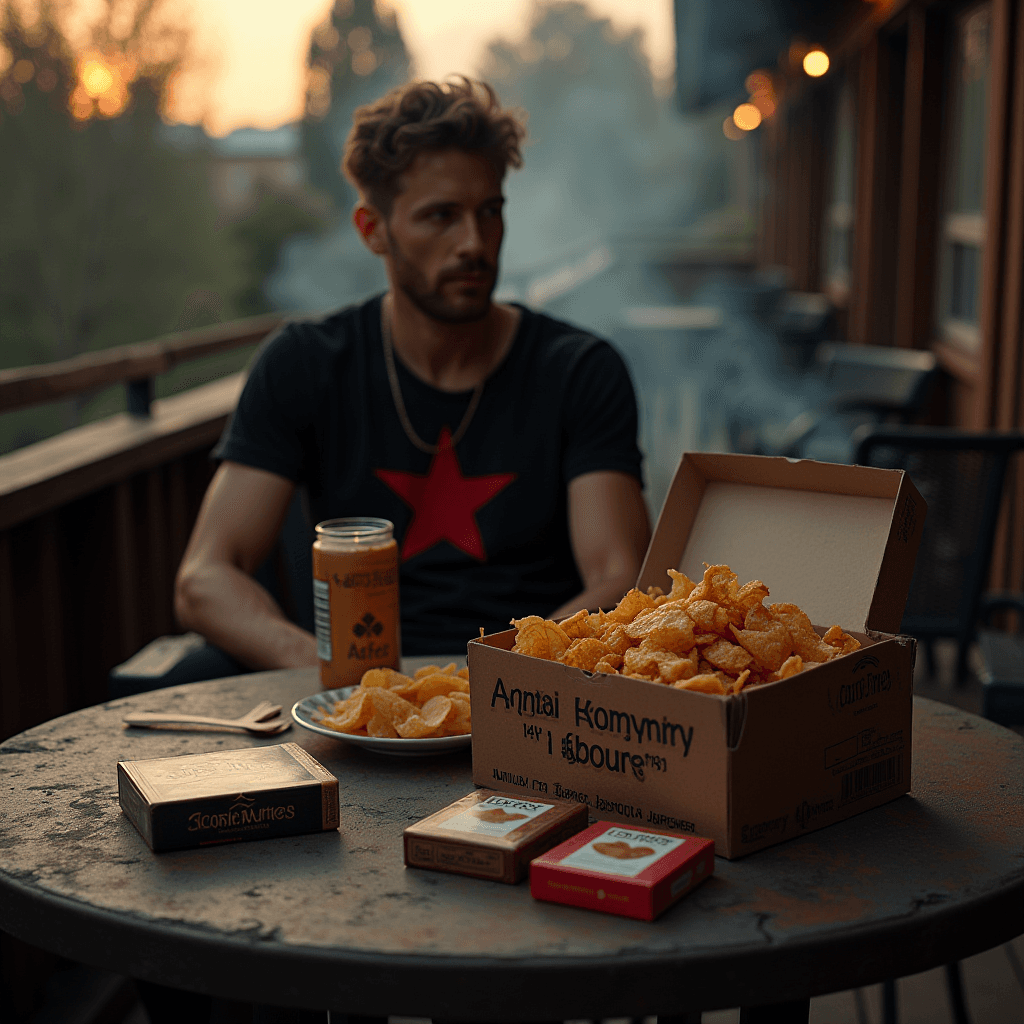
(444, 502)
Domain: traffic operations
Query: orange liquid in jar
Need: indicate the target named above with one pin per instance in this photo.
(355, 599)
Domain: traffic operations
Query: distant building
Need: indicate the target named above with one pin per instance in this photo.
(244, 160)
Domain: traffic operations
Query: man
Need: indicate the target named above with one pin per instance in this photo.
(501, 443)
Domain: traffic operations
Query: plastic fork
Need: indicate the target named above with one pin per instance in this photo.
(262, 720)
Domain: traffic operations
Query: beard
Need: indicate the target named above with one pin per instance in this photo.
(429, 298)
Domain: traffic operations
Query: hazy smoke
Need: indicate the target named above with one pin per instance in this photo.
(596, 222)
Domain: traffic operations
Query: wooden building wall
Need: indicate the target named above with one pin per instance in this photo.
(899, 61)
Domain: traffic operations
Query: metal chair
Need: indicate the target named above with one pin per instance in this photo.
(802, 322)
(960, 475)
(1002, 661)
(861, 386)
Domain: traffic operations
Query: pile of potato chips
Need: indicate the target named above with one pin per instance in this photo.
(389, 705)
(714, 636)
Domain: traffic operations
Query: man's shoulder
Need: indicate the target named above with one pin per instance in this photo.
(563, 342)
(550, 330)
(326, 336)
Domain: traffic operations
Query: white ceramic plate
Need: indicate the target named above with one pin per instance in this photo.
(306, 711)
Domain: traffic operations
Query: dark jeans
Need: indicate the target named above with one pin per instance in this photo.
(207, 662)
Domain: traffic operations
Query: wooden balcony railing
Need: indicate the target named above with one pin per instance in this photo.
(94, 521)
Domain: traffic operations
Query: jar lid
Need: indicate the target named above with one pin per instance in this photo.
(354, 528)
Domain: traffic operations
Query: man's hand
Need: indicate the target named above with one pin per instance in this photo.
(609, 530)
(215, 593)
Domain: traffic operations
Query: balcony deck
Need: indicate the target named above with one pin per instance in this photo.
(94, 521)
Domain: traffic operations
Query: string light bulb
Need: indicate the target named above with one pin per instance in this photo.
(746, 117)
(816, 62)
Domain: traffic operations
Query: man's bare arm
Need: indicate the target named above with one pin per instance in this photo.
(610, 531)
(215, 593)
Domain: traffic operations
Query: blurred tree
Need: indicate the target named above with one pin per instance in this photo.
(273, 218)
(606, 153)
(107, 236)
(356, 55)
(567, 48)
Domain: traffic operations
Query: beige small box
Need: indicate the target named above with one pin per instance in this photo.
(490, 834)
(773, 761)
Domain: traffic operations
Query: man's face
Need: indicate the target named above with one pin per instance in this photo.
(444, 234)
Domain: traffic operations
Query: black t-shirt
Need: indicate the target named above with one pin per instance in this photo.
(482, 528)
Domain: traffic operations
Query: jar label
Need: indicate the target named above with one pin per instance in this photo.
(322, 618)
(356, 609)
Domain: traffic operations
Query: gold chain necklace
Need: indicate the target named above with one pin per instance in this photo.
(396, 394)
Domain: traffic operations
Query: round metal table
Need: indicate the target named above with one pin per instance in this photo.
(335, 920)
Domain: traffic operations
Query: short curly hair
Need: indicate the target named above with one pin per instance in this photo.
(389, 134)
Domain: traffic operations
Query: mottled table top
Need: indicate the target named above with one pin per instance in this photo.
(334, 919)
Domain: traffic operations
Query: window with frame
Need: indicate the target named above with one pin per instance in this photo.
(962, 231)
(838, 227)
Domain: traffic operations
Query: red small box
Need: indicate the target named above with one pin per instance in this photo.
(633, 872)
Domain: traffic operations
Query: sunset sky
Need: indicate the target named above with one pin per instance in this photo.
(253, 51)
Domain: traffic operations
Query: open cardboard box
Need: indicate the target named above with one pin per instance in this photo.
(771, 762)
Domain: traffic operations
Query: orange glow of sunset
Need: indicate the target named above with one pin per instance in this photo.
(103, 81)
(251, 69)
(96, 78)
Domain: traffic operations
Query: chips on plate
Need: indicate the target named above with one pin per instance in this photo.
(713, 636)
(387, 704)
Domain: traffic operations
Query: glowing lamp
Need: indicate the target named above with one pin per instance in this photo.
(747, 117)
(816, 63)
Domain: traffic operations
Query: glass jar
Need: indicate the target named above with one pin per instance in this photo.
(355, 599)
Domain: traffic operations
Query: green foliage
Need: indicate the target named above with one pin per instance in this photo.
(108, 237)
(273, 219)
(354, 57)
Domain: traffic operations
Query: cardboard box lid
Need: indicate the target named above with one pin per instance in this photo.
(840, 541)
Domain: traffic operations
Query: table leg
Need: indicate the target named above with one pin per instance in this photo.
(778, 1013)
(890, 1007)
(167, 1005)
(284, 1015)
(955, 984)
